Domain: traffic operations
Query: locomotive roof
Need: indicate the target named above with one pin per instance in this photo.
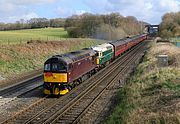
(73, 56)
(102, 47)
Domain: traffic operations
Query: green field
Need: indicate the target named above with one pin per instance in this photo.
(21, 36)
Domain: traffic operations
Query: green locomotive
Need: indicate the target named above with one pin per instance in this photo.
(105, 53)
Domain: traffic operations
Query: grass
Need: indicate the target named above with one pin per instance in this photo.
(19, 58)
(21, 36)
(152, 95)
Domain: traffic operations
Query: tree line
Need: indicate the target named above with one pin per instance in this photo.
(33, 23)
(110, 26)
(170, 25)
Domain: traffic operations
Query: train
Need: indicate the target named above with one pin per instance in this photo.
(64, 72)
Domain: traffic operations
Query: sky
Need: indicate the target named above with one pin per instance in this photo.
(149, 11)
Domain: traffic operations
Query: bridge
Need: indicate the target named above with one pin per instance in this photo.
(153, 30)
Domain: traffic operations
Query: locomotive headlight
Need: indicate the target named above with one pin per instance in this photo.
(97, 61)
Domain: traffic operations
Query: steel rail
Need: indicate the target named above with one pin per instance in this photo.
(71, 95)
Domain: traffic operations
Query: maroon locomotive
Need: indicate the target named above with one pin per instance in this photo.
(62, 72)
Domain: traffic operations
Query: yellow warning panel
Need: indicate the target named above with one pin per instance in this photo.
(55, 77)
(63, 92)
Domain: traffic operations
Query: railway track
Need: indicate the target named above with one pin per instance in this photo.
(47, 110)
(94, 111)
(17, 96)
(25, 84)
(17, 93)
(35, 74)
(80, 107)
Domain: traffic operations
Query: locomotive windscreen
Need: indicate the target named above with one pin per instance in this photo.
(55, 67)
(47, 67)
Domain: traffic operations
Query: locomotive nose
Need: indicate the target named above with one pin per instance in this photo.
(56, 77)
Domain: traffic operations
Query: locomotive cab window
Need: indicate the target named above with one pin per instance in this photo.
(47, 67)
(58, 66)
(99, 54)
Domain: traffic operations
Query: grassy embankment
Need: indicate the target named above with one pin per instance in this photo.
(152, 95)
(18, 58)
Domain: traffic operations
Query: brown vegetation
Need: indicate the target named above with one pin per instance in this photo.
(19, 58)
(170, 25)
(152, 95)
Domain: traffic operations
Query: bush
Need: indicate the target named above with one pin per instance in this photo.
(170, 25)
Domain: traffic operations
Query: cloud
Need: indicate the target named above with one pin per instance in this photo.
(67, 11)
(170, 5)
(97, 6)
(30, 2)
(147, 10)
(13, 10)
(16, 18)
(28, 16)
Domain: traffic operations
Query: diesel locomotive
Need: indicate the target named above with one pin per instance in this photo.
(63, 72)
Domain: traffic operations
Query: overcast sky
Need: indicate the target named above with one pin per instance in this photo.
(147, 10)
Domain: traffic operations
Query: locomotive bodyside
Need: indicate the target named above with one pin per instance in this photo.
(83, 65)
(61, 72)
